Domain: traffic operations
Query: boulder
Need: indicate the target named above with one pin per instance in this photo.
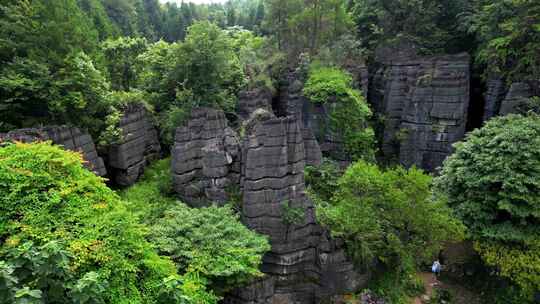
(139, 145)
(424, 102)
(205, 158)
(71, 138)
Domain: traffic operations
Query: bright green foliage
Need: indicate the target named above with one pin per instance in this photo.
(121, 56)
(349, 112)
(207, 67)
(388, 215)
(43, 66)
(201, 71)
(493, 183)
(493, 179)
(509, 36)
(81, 95)
(324, 84)
(521, 264)
(66, 235)
(258, 58)
(209, 244)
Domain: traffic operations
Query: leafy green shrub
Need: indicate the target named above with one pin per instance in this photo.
(64, 235)
(349, 112)
(209, 244)
(292, 215)
(323, 180)
(493, 183)
(326, 83)
(121, 60)
(388, 216)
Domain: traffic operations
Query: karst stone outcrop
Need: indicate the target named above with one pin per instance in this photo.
(251, 100)
(205, 161)
(424, 102)
(138, 146)
(517, 97)
(71, 138)
(495, 93)
(304, 264)
(314, 118)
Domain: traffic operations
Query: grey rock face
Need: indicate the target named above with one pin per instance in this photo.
(424, 103)
(304, 264)
(139, 146)
(314, 119)
(496, 90)
(71, 138)
(517, 95)
(251, 100)
(205, 158)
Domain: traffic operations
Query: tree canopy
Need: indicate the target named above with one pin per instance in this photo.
(493, 183)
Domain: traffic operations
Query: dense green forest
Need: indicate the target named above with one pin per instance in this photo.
(70, 236)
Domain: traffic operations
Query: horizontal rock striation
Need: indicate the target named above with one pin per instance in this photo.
(517, 97)
(205, 158)
(251, 100)
(304, 264)
(71, 138)
(496, 91)
(139, 145)
(424, 102)
(314, 120)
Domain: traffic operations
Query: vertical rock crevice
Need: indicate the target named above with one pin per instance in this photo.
(424, 102)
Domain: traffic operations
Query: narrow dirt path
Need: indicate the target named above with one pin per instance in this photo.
(429, 281)
(461, 294)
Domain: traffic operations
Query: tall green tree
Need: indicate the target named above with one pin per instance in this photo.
(121, 60)
(47, 72)
(508, 34)
(428, 24)
(387, 216)
(492, 181)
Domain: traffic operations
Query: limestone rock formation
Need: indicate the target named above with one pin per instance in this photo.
(251, 100)
(139, 145)
(496, 90)
(70, 138)
(205, 158)
(424, 102)
(314, 119)
(517, 96)
(304, 264)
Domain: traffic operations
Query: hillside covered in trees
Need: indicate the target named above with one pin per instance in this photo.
(269, 151)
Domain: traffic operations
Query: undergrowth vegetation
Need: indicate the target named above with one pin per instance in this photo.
(209, 244)
(67, 238)
(348, 110)
(386, 217)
